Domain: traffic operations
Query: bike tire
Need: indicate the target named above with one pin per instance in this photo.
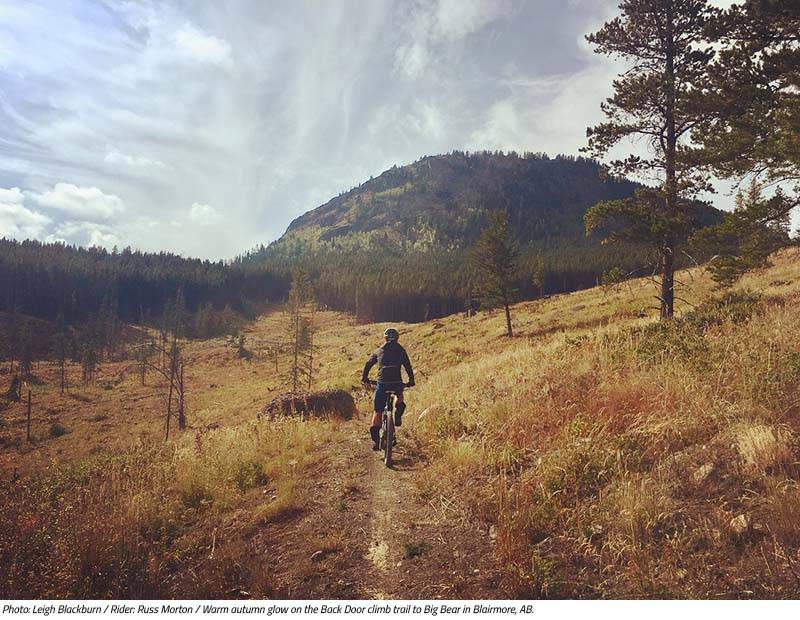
(387, 450)
(387, 454)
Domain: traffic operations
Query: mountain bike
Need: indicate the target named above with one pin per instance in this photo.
(387, 436)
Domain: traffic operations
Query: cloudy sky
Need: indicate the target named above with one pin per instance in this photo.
(205, 127)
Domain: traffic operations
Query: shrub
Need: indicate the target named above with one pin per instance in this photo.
(57, 430)
(735, 307)
(249, 474)
(415, 549)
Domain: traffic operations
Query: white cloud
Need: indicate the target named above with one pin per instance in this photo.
(459, 18)
(16, 220)
(11, 195)
(85, 234)
(503, 129)
(202, 214)
(81, 202)
(425, 120)
(434, 27)
(195, 45)
(412, 60)
(123, 160)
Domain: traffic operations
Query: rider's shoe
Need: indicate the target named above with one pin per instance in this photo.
(374, 432)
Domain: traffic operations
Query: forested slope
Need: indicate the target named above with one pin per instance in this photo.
(396, 247)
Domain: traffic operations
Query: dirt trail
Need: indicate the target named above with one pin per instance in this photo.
(366, 532)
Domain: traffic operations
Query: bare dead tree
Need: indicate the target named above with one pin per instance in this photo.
(174, 376)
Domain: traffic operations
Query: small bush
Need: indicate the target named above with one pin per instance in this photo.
(194, 494)
(676, 338)
(57, 430)
(415, 549)
(685, 337)
(250, 474)
(735, 307)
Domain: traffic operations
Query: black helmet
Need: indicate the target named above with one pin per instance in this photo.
(391, 334)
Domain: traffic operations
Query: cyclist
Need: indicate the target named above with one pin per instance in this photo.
(389, 357)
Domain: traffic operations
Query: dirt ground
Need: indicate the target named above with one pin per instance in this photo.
(367, 532)
(363, 531)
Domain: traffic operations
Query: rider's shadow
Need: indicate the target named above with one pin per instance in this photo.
(404, 460)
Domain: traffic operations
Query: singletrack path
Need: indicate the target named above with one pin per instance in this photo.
(366, 531)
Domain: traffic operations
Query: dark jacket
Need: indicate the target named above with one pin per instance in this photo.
(389, 357)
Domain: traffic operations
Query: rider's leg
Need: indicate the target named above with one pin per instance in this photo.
(399, 408)
(375, 428)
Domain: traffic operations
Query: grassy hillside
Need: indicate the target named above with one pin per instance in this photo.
(597, 454)
(618, 457)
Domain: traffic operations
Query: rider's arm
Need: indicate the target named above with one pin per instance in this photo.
(407, 366)
(373, 359)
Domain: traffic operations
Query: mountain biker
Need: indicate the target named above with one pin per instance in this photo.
(389, 357)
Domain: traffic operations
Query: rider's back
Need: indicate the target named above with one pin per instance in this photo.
(391, 356)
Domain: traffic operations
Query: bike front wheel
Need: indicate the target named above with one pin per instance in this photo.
(388, 441)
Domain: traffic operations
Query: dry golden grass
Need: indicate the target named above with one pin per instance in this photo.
(615, 457)
(634, 459)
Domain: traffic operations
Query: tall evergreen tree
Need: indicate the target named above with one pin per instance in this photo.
(13, 338)
(25, 351)
(89, 351)
(664, 43)
(745, 239)
(752, 95)
(494, 258)
(60, 348)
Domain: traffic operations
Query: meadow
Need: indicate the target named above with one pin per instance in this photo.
(597, 454)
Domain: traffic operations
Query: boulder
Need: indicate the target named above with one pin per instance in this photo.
(322, 404)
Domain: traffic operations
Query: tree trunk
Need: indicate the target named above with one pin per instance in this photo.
(670, 148)
(29, 417)
(181, 403)
(508, 320)
(172, 370)
(295, 353)
(667, 282)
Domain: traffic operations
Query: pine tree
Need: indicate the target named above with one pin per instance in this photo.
(180, 315)
(745, 239)
(13, 338)
(60, 348)
(654, 100)
(494, 258)
(752, 94)
(538, 273)
(89, 352)
(25, 351)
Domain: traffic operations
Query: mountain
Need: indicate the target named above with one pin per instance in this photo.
(395, 247)
(442, 201)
